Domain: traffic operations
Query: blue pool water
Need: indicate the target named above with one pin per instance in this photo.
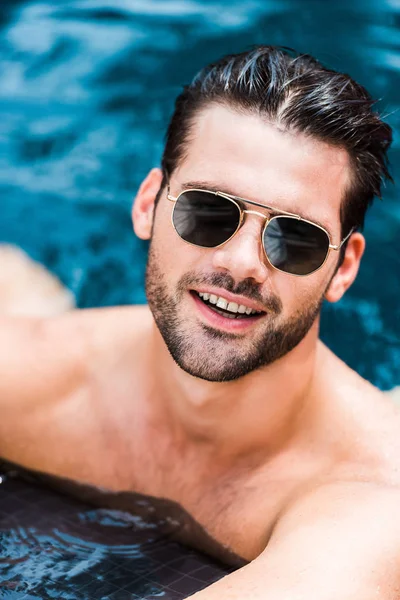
(86, 90)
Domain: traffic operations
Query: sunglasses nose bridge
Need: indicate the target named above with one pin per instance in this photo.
(265, 218)
(255, 212)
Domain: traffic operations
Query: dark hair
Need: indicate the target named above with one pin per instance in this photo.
(298, 93)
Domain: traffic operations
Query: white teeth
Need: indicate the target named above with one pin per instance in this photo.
(233, 307)
(221, 303)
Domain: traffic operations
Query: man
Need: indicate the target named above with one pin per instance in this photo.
(219, 395)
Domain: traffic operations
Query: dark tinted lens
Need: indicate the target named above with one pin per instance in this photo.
(205, 219)
(295, 246)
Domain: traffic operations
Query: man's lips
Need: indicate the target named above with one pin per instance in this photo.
(219, 321)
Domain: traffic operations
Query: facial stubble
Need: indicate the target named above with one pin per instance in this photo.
(212, 354)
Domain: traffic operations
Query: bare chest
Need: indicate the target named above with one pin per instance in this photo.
(235, 508)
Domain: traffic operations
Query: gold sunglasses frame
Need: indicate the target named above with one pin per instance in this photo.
(282, 214)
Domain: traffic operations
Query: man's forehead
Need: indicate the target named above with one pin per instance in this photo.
(246, 156)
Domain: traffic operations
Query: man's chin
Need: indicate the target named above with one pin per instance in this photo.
(214, 368)
(220, 360)
(221, 376)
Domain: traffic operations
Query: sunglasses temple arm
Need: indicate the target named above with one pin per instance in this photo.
(165, 173)
(344, 240)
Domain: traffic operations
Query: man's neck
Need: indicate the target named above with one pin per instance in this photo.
(263, 413)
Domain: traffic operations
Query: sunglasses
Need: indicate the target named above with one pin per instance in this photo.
(291, 244)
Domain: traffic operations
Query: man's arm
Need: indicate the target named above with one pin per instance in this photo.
(43, 375)
(59, 381)
(340, 542)
(40, 359)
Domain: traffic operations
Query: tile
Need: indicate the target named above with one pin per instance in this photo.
(187, 585)
(123, 595)
(208, 574)
(168, 553)
(14, 486)
(187, 565)
(164, 575)
(80, 580)
(102, 567)
(56, 506)
(13, 504)
(144, 587)
(167, 595)
(120, 577)
(98, 589)
(139, 566)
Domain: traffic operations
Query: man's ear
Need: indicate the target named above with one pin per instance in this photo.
(348, 270)
(143, 206)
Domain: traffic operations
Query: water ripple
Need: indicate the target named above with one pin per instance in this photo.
(53, 546)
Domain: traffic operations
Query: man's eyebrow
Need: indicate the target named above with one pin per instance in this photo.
(206, 185)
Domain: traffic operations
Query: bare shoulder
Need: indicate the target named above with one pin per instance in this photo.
(372, 421)
(364, 416)
(54, 355)
(354, 502)
(103, 329)
(345, 535)
(360, 428)
(338, 540)
(113, 336)
(68, 344)
(364, 476)
(52, 371)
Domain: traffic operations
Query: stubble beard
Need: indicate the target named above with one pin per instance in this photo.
(211, 354)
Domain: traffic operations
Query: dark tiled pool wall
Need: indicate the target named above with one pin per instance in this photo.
(54, 547)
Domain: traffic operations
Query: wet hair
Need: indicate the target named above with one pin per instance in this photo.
(296, 93)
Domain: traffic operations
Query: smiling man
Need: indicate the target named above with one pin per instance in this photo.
(219, 395)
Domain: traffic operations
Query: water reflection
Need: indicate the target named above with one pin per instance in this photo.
(52, 546)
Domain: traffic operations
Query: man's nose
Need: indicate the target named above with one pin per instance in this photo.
(243, 255)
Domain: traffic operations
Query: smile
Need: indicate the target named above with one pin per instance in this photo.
(228, 309)
(216, 316)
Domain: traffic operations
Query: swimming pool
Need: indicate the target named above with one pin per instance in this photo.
(52, 546)
(86, 90)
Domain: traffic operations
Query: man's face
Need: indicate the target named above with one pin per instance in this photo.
(242, 155)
